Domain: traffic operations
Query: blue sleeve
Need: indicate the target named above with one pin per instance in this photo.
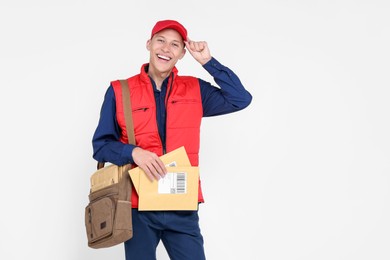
(231, 96)
(105, 141)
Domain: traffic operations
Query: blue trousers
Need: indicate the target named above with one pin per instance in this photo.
(178, 230)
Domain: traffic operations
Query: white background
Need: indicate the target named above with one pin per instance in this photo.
(302, 173)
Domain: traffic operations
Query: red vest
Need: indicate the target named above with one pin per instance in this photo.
(183, 117)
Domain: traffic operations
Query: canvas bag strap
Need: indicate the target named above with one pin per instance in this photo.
(128, 115)
(127, 111)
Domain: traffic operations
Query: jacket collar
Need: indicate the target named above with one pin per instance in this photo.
(144, 74)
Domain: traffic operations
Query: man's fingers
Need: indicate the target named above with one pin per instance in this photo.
(150, 163)
(195, 46)
(158, 170)
(152, 172)
(161, 167)
(149, 174)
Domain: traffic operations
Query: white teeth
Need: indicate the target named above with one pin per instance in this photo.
(164, 57)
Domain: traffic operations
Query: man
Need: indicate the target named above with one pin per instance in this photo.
(167, 111)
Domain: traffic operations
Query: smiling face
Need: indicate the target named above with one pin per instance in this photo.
(166, 49)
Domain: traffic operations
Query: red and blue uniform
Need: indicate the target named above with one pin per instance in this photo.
(183, 117)
(163, 121)
(110, 141)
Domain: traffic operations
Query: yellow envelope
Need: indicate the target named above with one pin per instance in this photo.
(177, 157)
(178, 190)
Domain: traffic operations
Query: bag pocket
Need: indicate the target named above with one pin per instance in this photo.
(123, 215)
(123, 228)
(99, 219)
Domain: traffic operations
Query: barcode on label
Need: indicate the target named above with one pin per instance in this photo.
(181, 182)
(173, 183)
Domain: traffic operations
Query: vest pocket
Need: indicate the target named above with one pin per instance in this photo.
(140, 109)
(184, 113)
(184, 101)
(143, 115)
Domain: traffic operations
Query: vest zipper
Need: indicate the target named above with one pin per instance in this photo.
(166, 114)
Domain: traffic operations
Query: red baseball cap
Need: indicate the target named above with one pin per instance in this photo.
(170, 24)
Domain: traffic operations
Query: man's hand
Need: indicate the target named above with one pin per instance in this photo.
(150, 163)
(199, 50)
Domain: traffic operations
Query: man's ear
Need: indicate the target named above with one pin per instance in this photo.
(182, 53)
(148, 45)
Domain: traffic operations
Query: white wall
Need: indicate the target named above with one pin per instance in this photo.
(303, 173)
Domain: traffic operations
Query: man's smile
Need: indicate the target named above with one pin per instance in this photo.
(164, 57)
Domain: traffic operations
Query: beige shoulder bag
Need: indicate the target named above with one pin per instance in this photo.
(108, 219)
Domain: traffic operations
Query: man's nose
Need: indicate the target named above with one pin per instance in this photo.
(166, 47)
